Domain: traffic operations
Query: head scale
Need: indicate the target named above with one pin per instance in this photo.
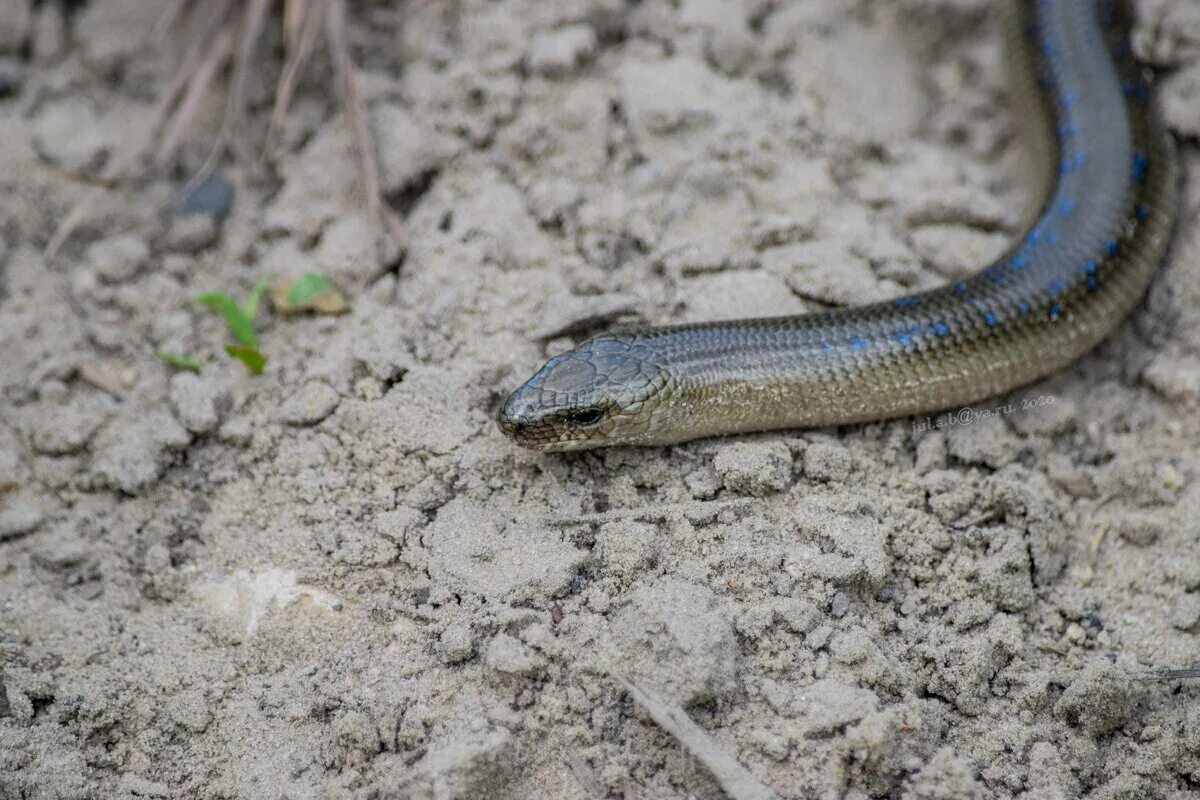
(603, 392)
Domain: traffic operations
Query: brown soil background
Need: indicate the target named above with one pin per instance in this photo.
(338, 580)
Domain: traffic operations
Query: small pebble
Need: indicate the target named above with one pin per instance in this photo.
(931, 452)
(560, 51)
(510, 656)
(314, 402)
(819, 637)
(827, 461)
(759, 468)
(1180, 100)
(118, 258)
(429, 494)
(1100, 698)
(981, 439)
(754, 621)
(455, 645)
(1185, 614)
(703, 483)
(200, 402)
(797, 614)
(18, 517)
(213, 197)
(239, 431)
(774, 230)
(192, 233)
(1070, 477)
(839, 605)
(851, 647)
(1140, 529)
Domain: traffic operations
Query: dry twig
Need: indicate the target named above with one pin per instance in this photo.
(228, 37)
(356, 109)
(735, 779)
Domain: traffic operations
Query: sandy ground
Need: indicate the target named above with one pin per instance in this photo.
(337, 579)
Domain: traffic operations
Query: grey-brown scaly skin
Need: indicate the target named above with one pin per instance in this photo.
(1080, 270)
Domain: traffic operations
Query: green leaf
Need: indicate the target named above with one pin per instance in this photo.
(181, 361)
(308, 287)
(254, 360)
(250, 307)
(239, 324)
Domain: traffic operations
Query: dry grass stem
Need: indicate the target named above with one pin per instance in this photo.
(339, 48)
(229, 35)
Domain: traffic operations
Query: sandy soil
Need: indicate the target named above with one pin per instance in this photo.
(338, 580)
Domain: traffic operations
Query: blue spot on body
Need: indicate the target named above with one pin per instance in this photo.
(1001, 280)
(1067, 131)
(1057, 287)
(1069, 100)
(941, 329)
(1023, 307)
(859, 344)
(903, 337)
(1052, 237)
(1142, 212)
(1111, 247)
(1067, 207)
(1072, 163)
(1019, 262)
(1139, 167)
(1089, 267)
(1092, 284)
(1055, 310)
(991, 320)
(1135, 91)
(960, 287)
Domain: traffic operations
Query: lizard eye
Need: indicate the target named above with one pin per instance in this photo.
(586, 417)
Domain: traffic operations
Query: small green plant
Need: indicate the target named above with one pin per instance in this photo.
(312, 293)
(304, 290)
(254, 360)
(254, 299)
(240, 319)
(181, 361)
